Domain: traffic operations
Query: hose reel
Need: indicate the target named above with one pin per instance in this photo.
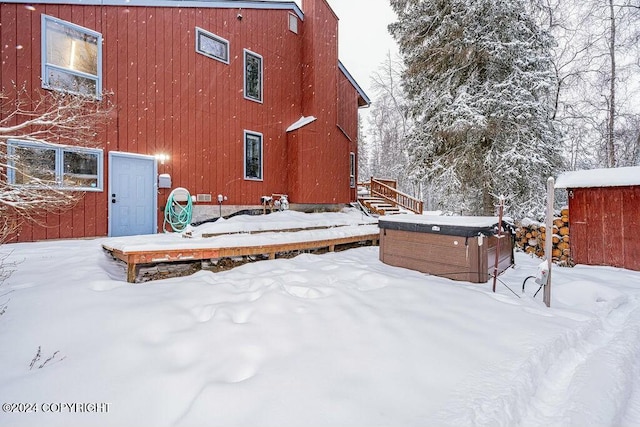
(179, 210)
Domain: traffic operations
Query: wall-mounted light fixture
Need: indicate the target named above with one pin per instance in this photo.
(162, 158)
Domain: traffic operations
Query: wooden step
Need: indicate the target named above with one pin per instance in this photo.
(379, 206)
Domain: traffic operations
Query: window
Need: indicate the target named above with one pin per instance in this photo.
(253, 156)
(252, 76)
(352, 170)
(71, 57)
(212, 46)
(48, 165)
(293, 23)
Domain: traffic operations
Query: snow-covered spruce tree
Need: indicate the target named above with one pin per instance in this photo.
(479, 79)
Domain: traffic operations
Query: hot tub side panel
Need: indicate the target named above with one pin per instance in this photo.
(453, 257)
(505, 260)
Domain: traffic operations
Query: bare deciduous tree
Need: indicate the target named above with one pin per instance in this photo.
(390, 125)
(596, 61)
(46, 117)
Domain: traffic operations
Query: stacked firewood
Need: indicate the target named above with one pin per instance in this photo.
(531, 237)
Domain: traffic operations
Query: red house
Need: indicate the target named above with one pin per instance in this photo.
(235, 98)
(604, 216)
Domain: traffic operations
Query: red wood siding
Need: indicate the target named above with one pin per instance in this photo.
(348, 120)
(347, 104)
(173, 100)
(605, 226)
(170, 99)
(320, 149)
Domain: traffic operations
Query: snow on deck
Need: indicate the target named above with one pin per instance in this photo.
(612, 177)
(241, 231)
(282, 221)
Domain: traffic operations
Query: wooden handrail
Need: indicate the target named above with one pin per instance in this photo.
(397, 198)
(390, 182)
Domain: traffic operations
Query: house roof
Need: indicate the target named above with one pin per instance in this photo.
(612, 177)
(364, 100)
(254, 4)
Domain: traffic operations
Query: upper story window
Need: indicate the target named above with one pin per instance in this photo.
(49, 165)
(253, 156)
(352, 170)
(71, 57)
(293, 23)
(252, 76)
(212, 46)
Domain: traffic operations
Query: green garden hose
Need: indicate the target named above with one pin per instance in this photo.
(178, 216)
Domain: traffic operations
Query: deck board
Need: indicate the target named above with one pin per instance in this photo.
(136, 257)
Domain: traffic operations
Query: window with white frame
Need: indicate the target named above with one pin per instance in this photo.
(71, 57)
(49, 165)
(212, 45)
(252, 76)
(293, 23)
(352, 170)
(253, 156)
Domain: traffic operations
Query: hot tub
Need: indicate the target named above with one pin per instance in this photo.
(455, 247)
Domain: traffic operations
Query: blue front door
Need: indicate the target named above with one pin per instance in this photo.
(132, 194)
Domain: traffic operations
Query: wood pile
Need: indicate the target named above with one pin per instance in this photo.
(531, 237)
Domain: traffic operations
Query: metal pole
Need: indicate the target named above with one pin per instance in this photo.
(548, 243)
(497, 262)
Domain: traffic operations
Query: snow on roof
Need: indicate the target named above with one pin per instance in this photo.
(612, 177)
(302, 121)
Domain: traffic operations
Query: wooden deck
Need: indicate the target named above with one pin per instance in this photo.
(136, 258)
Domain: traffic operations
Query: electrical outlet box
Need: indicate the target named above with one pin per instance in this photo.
(164, 180)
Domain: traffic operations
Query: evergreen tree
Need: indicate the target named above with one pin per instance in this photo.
(480, 83)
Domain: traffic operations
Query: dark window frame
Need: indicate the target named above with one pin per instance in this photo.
(253, 77)
(352, 169)
(254, 166)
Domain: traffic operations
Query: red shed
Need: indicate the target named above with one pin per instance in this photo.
(604, 216)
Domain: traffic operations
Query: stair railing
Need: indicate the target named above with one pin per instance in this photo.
(398, 198)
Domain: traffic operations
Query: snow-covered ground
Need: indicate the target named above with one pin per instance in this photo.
(318, 340)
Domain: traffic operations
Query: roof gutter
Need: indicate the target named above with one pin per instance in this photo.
(214, 4)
